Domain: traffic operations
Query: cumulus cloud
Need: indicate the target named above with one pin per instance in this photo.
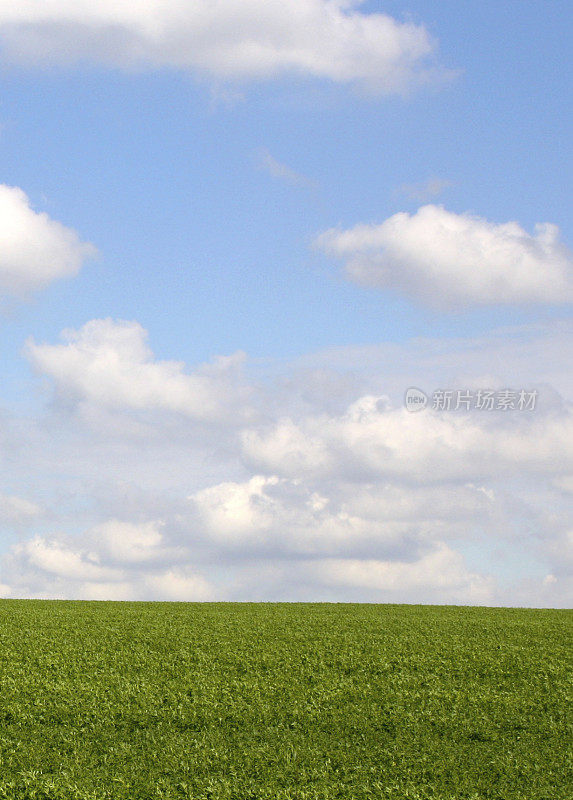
(331, 490)
(108, 364)
(372, 440)
(130, 543)
(228, 40)
(451, 260)
(287, 517)
(53, 558)
(35, 250)
(113, 561)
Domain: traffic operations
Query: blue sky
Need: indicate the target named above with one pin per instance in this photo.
(205, 186)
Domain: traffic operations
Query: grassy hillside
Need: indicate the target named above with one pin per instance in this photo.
(282, 702)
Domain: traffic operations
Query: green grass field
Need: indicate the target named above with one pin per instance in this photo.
(280, 701)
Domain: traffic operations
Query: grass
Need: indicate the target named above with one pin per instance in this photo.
(282, 702)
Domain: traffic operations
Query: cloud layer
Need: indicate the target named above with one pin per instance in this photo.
(34, 249)
(59, 568)
(451, 260)
(230, 39)
(147, 479)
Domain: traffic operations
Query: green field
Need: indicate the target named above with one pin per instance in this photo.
(281, 701)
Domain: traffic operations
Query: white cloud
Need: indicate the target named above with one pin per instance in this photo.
(34, 249)
(282, 172)
(329, 471)
(179, 585)
(450, 260)
(390, 540)
(371, 440)
(108, 562)
(282, 517)
(54, 558)
(440, 576)
(426, 190)
(108, 364)
(522, 356)
(453, 505)
(229, 39)
(17, 511)
(129, 543)
(87, 590)
(237, 512)
(288, 447)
